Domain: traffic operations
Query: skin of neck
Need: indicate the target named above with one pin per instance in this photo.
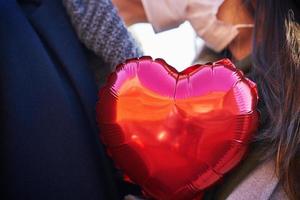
(241, 46)
(235, 12)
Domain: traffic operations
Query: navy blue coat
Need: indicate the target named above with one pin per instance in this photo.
(49, 139)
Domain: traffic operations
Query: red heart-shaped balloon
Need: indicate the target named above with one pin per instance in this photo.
(175, 134)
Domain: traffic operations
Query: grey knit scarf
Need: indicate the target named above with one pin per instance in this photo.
(101, 30)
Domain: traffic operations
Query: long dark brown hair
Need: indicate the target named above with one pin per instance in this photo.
(276, 69)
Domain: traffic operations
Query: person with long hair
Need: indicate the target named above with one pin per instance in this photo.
(271, 171)
(276, 70)
(270, 55)
(263, 39)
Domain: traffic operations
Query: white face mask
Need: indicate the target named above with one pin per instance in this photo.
(216, 34)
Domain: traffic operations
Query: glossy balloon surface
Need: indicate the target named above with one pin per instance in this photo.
(177, 133)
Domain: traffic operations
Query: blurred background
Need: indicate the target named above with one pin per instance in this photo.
(178, 47)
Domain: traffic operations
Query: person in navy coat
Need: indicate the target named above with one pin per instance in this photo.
(49, 138)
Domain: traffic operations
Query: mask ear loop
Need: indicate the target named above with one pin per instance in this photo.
(238, 26)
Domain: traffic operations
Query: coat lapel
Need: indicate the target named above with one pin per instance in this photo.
(66, 51)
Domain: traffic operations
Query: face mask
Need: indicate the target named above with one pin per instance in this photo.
(216, 34)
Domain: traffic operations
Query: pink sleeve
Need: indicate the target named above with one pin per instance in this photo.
(165, 14)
